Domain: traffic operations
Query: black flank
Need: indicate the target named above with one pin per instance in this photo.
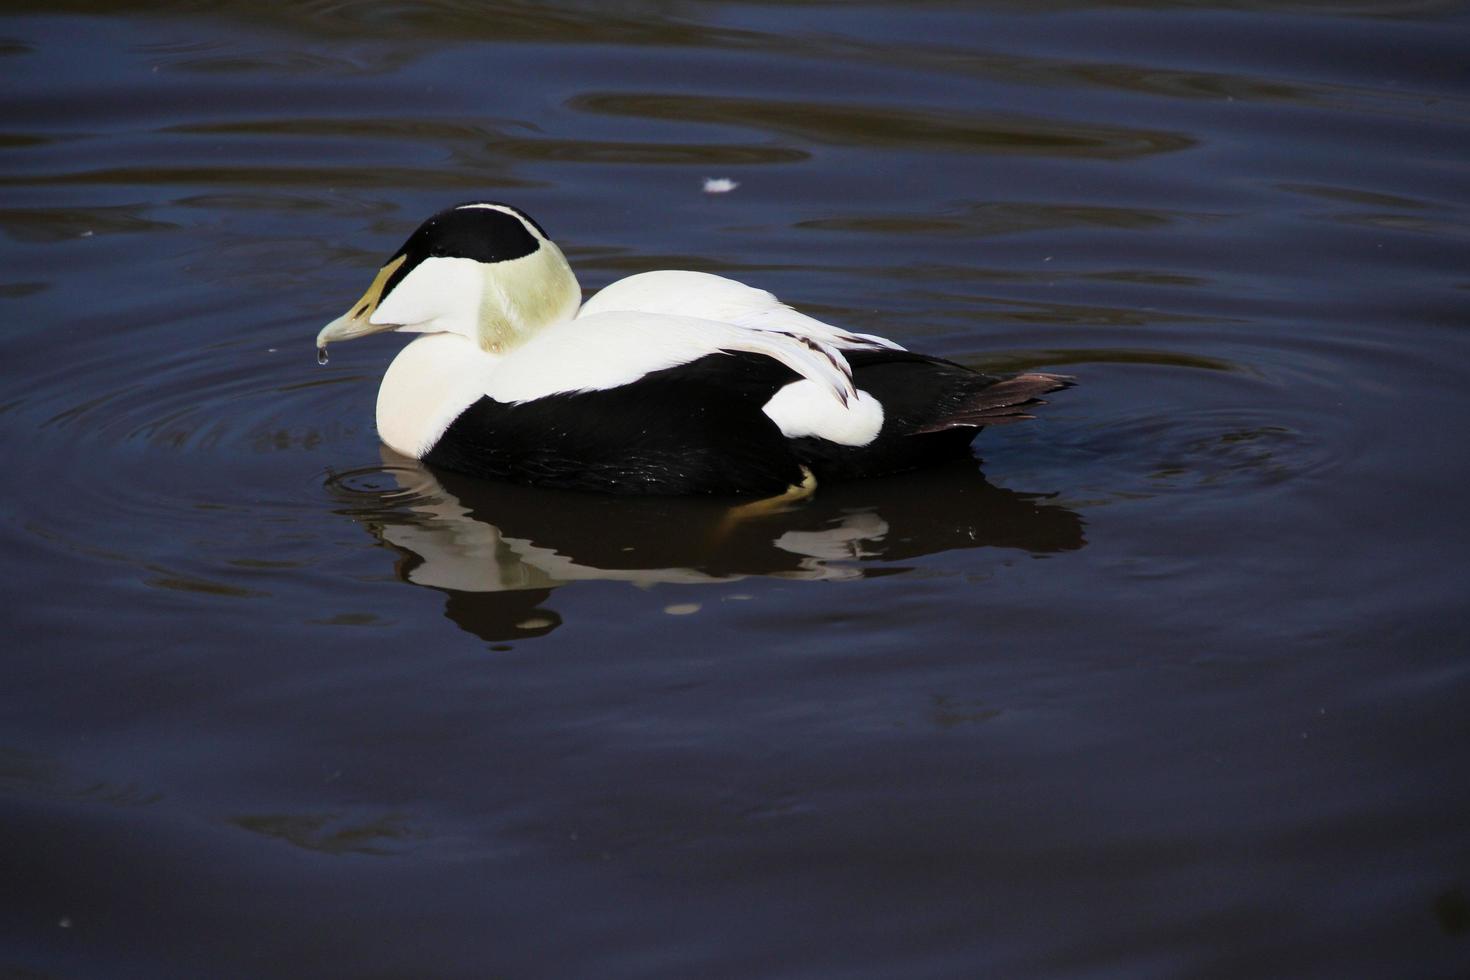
(695, 428)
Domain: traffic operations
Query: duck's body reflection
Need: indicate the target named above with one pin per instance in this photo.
(499, 549)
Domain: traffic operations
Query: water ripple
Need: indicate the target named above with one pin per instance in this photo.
(842, 124)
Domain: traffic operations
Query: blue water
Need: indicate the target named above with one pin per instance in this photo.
(1171, 682)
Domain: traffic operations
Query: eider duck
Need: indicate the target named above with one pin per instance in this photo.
(662, 383)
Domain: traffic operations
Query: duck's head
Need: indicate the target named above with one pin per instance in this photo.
(483, 270)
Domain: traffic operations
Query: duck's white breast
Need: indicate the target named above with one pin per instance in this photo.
(429, 385)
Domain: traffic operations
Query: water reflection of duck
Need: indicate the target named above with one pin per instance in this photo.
(498, 549)
(663, 383)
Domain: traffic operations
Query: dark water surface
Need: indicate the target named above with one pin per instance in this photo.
(1172, 682)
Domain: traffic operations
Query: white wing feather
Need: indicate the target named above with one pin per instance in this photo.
(598, 351)
(710, 297)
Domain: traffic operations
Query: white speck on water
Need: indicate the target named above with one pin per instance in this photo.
(682, 608)
(534, 623)
(719, 185)
(64, 922)
(88, 233)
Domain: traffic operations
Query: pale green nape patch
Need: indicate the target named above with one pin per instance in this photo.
(521, 296)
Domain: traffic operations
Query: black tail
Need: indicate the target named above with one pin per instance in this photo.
(932, 408)
(1000, 403)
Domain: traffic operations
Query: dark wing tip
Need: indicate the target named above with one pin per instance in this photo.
(1002, 402)
(1056, 381)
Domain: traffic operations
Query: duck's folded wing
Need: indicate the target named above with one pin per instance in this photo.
(711, 297)
(608, 350)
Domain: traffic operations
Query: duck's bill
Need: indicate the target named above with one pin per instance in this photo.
(357, 322)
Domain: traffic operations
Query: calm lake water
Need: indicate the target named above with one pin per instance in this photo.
(1172, 682)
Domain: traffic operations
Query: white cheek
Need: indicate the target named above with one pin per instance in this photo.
(440, 294)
